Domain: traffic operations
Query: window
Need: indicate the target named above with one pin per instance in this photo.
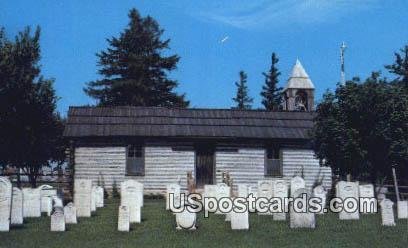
(135, 160)
(273, 166)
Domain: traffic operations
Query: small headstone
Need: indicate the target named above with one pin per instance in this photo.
(123, 219)
(82, 197)
(17, 207)
(320, 192)
(381, 193)
(387, 212)
(296, 183)
(47, 192)
(70, 214)
(58, 220)
(265, 190)
(300, 219)
(366, 191)
(223, 191)
(280, 190)
(99, 197)
(5, 204)
(348, 190)
(132, 196)
(57, 202)
(402, 207)
(186, 220)
(243, 190)
(175, 190)
(93, 199)
(239, 221)
(210, 191)
(254, 191)
(31, 202)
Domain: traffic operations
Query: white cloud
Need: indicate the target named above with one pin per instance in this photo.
(248, 15)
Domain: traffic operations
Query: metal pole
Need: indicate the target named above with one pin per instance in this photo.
(395, 183)
(342, 71)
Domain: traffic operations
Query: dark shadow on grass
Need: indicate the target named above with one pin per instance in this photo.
(17, 227)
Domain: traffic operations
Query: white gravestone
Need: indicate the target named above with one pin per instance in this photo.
(387, 212)
(17, 207)
(280, 190)
(57, 202)
(243, 190)
(82, 197)
(296, 183)
(186, 220)
(254, 191)
(58, 220)
(5, 204)
(320, 192)
(131, 193)
(301, 219)
(265, 190)
(70, 214)
(366, 191)
(93, 199)
(123, 219)
(239, 221)
(175, 190)
(402, 207)
(223, 191)
(210, 191)
(31, 202)
(47, 192)
(99, 197)
(349, 190)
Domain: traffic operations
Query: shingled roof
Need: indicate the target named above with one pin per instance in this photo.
(170, 122)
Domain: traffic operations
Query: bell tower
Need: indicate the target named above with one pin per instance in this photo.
(298, 94)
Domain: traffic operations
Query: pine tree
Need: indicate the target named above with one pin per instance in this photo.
(400, 66)
(134, 70)
(242, 98)
(271, 93)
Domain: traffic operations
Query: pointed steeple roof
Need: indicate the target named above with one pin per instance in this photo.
(299, 78)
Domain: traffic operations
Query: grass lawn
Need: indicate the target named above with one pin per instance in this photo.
(158, 230)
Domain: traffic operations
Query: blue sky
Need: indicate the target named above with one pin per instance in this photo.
(73, 31)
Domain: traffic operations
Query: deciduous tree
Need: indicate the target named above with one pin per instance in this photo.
(30, 127)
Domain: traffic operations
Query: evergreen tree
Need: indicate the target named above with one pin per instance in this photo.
(400, 66)
(134, 70)
(242, 98)
(30, 128)
(271, 93)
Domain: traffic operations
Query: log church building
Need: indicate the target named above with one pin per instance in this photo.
(158, 146)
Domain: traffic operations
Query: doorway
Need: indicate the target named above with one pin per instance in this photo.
(204, 165)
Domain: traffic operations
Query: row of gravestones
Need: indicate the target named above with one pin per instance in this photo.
(279, 188)
(346, 190)
(16, 204)
(131, 203)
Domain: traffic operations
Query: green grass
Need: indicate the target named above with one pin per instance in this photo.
(158, 230)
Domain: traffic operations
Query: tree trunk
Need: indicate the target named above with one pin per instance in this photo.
(18, 178)
(33, 178)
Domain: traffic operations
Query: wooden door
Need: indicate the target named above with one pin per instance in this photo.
(204, 165)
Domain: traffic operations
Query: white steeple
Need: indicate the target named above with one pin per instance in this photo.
(299, 78)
